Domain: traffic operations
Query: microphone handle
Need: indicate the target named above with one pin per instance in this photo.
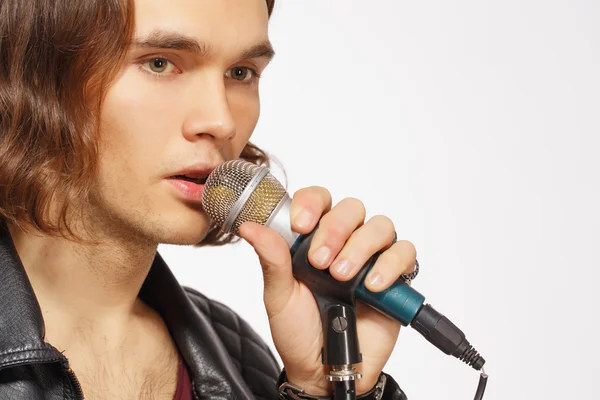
(400, 301)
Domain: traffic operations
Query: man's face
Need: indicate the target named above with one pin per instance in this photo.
(185, 100)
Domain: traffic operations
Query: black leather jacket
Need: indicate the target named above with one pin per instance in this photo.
(225, 357)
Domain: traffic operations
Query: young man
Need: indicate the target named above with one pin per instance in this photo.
(105, 105)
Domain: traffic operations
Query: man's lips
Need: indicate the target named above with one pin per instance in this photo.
(187, 189)
(189, 182)
(194, 173)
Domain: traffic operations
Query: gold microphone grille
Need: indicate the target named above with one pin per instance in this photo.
(225, 186)
(261, 203)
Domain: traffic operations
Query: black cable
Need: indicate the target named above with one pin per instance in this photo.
(481, 387)
(344, 390)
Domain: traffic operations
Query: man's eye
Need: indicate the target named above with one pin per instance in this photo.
(158, 65)
(242, 74)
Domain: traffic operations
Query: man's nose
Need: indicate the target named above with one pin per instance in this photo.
(208, 112)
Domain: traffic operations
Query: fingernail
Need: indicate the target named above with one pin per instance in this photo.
(303, 219)
(343, 267)
(375, 280)
(321, 256)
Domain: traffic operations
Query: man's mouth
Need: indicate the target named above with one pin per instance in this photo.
(189, 182)
(196, 180)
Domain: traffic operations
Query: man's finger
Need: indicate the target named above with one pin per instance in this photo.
(275, 259)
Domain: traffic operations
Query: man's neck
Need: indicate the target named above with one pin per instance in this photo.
(84, 285)
(88, 294)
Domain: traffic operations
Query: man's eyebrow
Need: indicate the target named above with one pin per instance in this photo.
(261, 50)
(171, 40)
(175, 41)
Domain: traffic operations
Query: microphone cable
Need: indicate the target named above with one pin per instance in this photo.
(481, 386)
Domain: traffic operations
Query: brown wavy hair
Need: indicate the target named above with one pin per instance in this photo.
(58, 59)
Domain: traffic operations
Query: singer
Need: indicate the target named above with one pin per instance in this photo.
(112, 115)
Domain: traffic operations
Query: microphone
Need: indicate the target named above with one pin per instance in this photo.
(238, 191)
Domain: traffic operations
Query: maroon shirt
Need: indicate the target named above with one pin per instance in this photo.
(184, 386)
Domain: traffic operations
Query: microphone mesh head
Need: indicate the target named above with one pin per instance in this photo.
(225, 185)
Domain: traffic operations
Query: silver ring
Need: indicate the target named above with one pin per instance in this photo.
(409, 277)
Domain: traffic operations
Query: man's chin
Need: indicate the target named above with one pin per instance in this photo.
(183, 237)
(181, 242)
(187, 228)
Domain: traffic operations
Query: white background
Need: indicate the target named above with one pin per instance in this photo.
(474, 126)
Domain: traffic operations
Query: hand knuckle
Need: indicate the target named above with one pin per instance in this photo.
(319, 192)
(331, 231)
(383, 223)
(394, 259)
(407, 247)
(323, 197)
(356, 204)
(311, 191)
(322, 190)
(301, 192)
(335, 231)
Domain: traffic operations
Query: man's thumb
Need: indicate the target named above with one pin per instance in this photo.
(276, 261)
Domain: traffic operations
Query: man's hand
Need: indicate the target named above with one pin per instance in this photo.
(343, 243)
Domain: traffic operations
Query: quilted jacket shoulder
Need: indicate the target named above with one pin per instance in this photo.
(249, 353)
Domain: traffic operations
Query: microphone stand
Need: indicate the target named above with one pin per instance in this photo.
(337, 306)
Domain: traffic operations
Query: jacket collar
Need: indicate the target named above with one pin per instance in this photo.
(213, 373)
(21, 321)
(22, 340)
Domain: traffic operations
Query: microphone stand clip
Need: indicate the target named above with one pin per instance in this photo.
(337, 306)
